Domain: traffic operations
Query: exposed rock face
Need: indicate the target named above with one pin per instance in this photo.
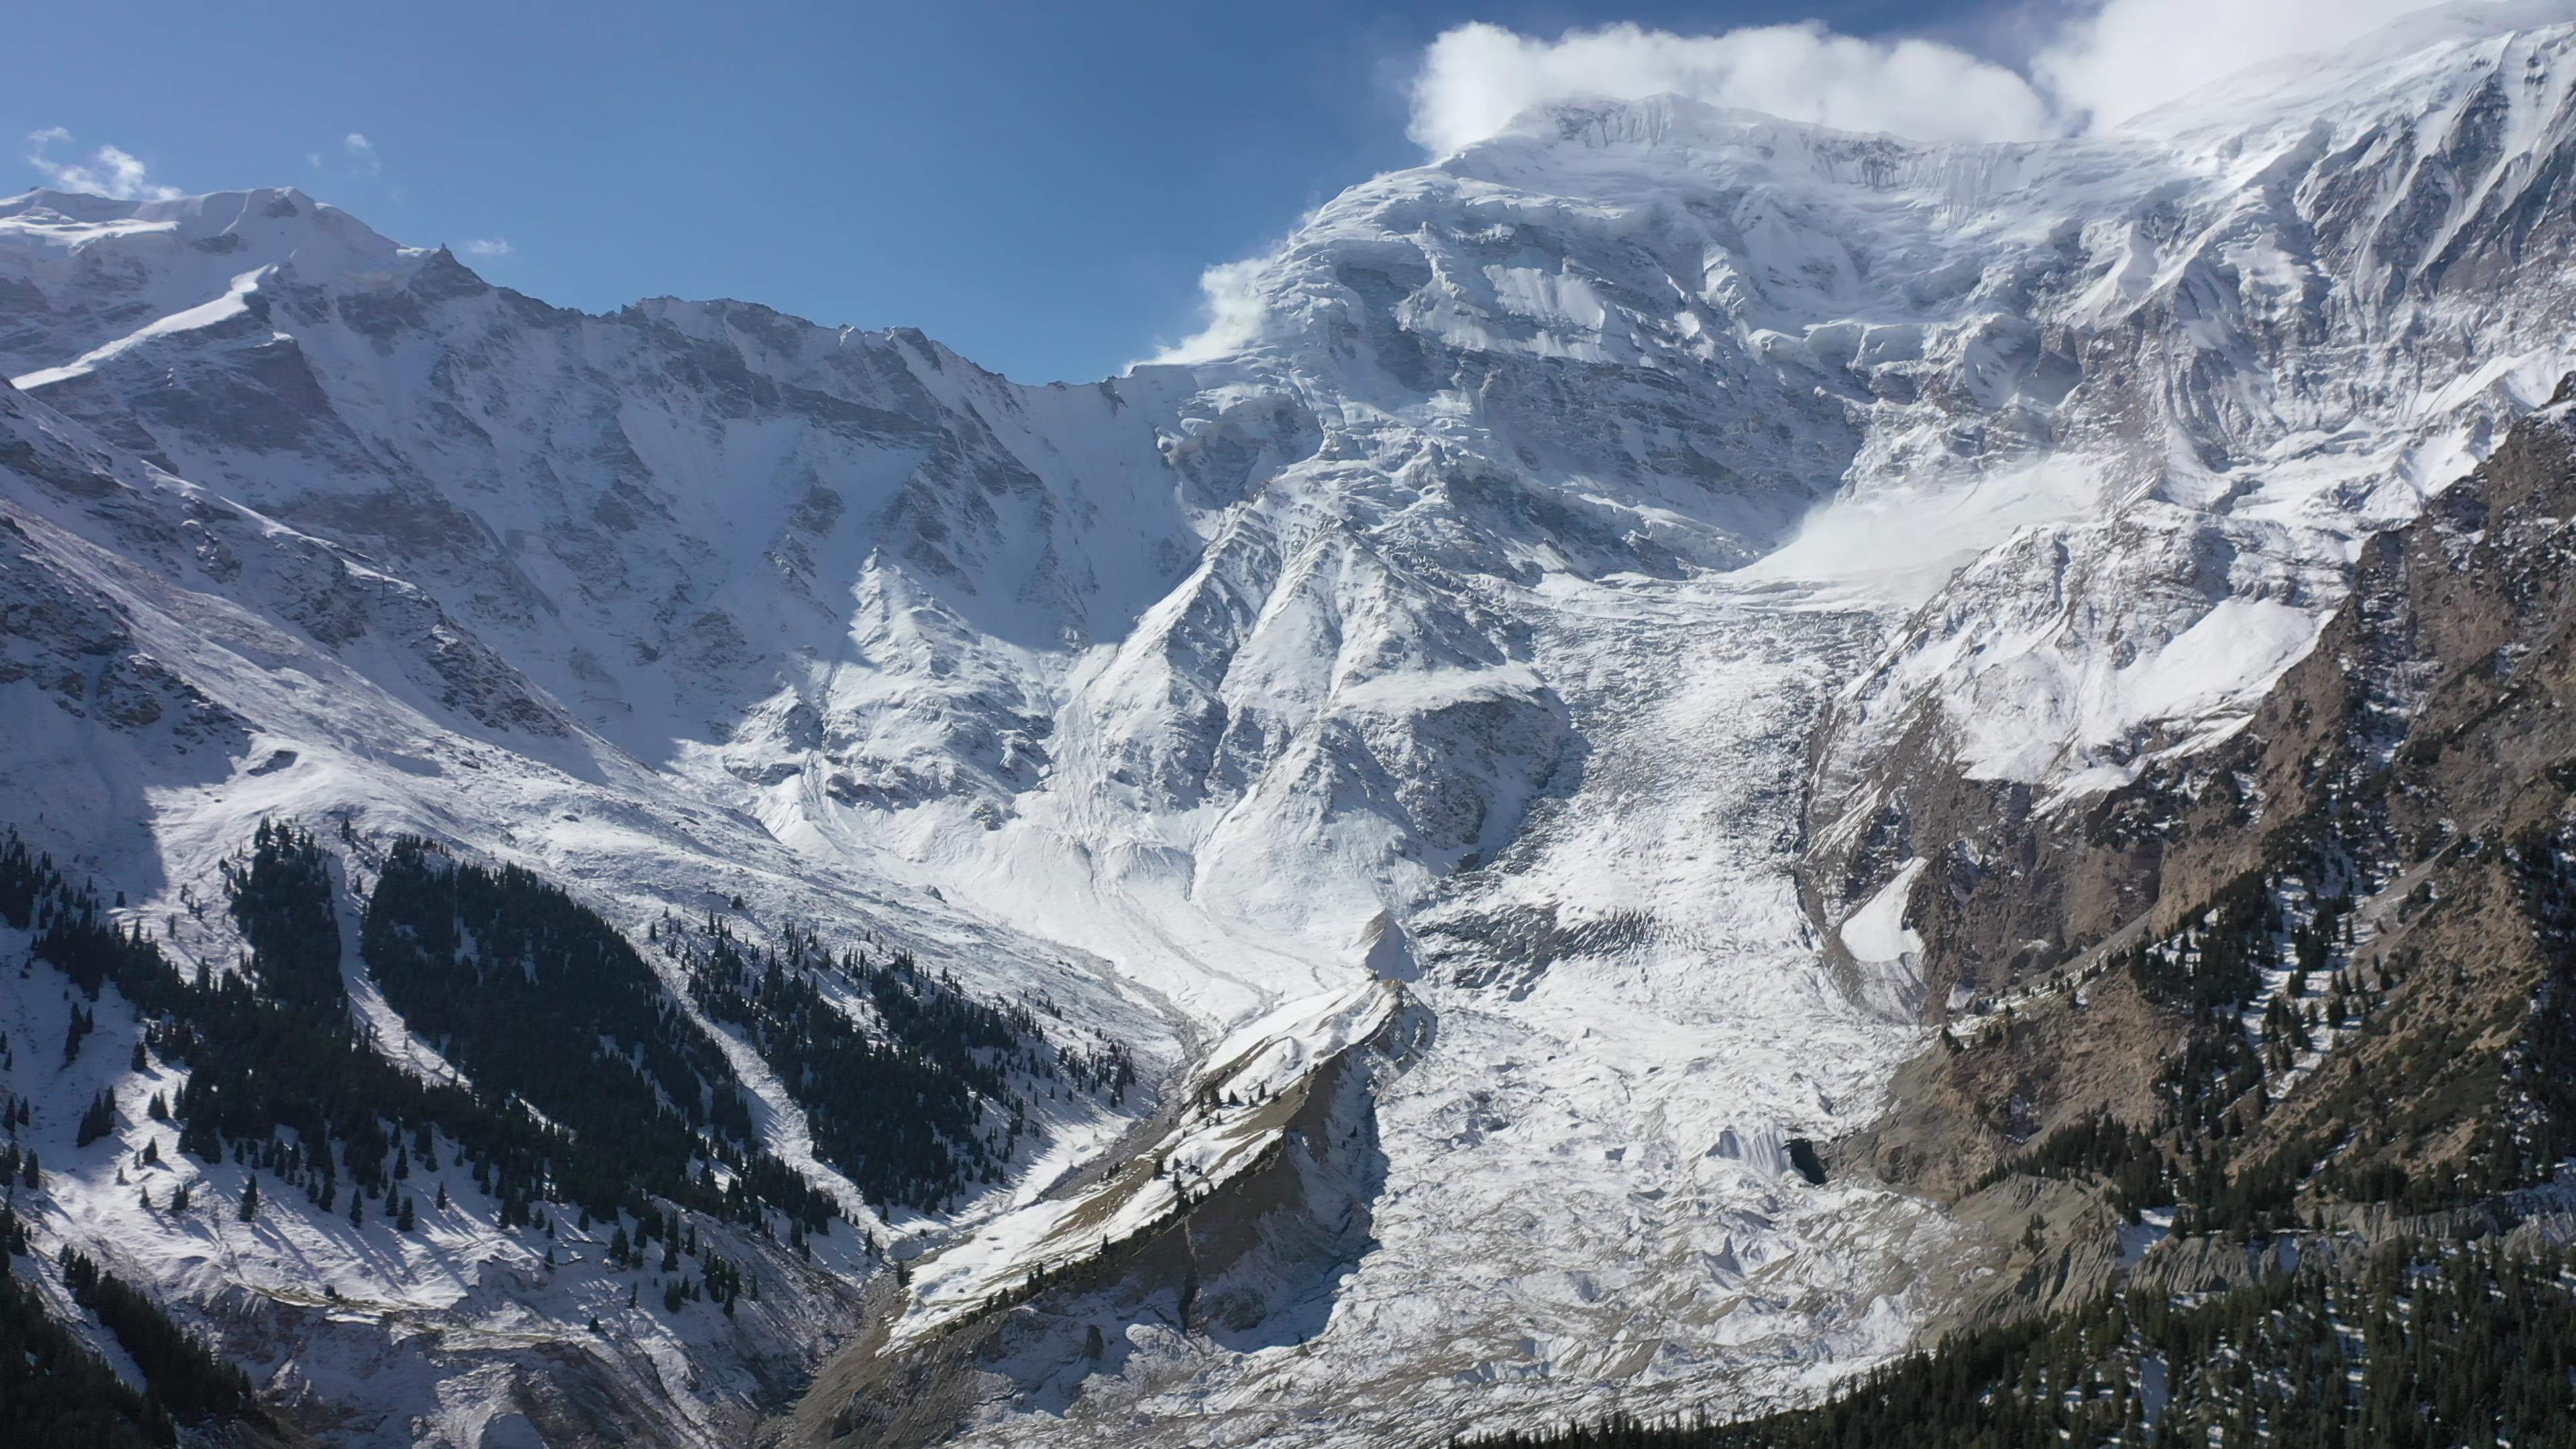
(2426, 739)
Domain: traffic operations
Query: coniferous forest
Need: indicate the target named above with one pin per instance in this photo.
(2426, 1346)
(190, 1383)
(286, 904)
(58, 1392)
(499, 970)
(53, 1390)
(643, 1121)
(537, 999)
(918, 1117)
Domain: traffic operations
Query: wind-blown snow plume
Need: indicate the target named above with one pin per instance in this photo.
(1476, 78)
(2130, 56)
(2101, 65)
(1231, 315)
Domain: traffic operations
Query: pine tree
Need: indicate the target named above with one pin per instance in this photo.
(97, 1121)
(249, 1201)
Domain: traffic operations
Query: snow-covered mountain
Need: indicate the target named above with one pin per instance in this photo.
(1545, 595)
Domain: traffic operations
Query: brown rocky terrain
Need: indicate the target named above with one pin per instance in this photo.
(2405, 791)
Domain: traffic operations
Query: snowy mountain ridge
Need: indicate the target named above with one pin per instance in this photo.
(1573, 537)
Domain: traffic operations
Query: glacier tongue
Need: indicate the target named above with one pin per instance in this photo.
(1628, 990)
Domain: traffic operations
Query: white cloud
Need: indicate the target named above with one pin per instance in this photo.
(489, 246)
(2098, 63)
(1476, 78)
(109, 171)
(362, 153)
(1231, 303)
(2133, 55)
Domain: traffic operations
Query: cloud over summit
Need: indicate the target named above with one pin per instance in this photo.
(2096, 65)
(1476, 78)
(109, 171)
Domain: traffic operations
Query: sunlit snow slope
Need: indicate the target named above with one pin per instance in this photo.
(1560, 527)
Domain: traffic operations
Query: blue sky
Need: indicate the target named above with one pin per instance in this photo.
(1039, 186)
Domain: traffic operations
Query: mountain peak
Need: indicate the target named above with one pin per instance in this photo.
(1639, 583)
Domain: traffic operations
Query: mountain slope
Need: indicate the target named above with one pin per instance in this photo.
(2322, 1083)
(1597, 586)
